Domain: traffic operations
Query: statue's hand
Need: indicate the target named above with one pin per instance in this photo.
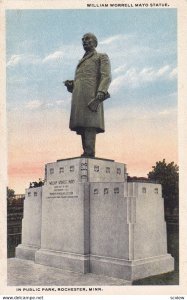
(69, 85)
(94, 104)
(100, 96)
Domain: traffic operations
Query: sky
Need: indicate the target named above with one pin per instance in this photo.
(43, 48)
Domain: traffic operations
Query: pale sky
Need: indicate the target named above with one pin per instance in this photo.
(43, 49)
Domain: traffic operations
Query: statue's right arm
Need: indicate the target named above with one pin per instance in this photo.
(70, 85)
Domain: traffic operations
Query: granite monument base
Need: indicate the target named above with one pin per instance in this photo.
(26, 252)
(68, 261)
(131, 269)
(88, 218)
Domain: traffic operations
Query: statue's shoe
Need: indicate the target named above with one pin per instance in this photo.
(87, 155)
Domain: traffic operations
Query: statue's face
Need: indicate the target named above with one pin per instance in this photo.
(88, 42)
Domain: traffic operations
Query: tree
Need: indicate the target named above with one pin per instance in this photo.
(168, 176)
(10, 195)
(36, 184)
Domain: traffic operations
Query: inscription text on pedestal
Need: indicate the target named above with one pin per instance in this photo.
(62, 189)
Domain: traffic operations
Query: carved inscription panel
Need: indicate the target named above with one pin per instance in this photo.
(62, 189)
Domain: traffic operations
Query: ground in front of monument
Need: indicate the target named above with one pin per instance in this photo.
(27, 273)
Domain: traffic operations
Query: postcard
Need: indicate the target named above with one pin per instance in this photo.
(93, 165)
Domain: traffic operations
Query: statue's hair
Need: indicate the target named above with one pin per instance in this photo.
(93, 36)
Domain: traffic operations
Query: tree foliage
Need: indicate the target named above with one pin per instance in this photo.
(168, 176)
(38, 183)
(10, 195)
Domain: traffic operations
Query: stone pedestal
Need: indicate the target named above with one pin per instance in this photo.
(88, 218)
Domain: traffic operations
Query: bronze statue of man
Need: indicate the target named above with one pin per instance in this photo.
(89, 89)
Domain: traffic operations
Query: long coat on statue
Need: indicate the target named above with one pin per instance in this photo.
(93, 74)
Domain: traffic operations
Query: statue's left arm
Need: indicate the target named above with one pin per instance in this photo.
(105, 80)
(105, 73)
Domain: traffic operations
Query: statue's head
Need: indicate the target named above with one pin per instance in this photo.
(89, 41)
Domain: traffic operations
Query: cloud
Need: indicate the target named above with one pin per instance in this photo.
(17, 59)
(31, 59)
(120, 69)
(134, 77)
(14, 60)
(151, 74)
(54, 103)
(56, 56)
(23, 59)
(59, 102)
(173, 73)
(168, 112)
(126, 48)
(135, 114)
(132, 50)
(117, 83)
(34, 104)
(114, 38)
(49, 104)
(163, 70)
